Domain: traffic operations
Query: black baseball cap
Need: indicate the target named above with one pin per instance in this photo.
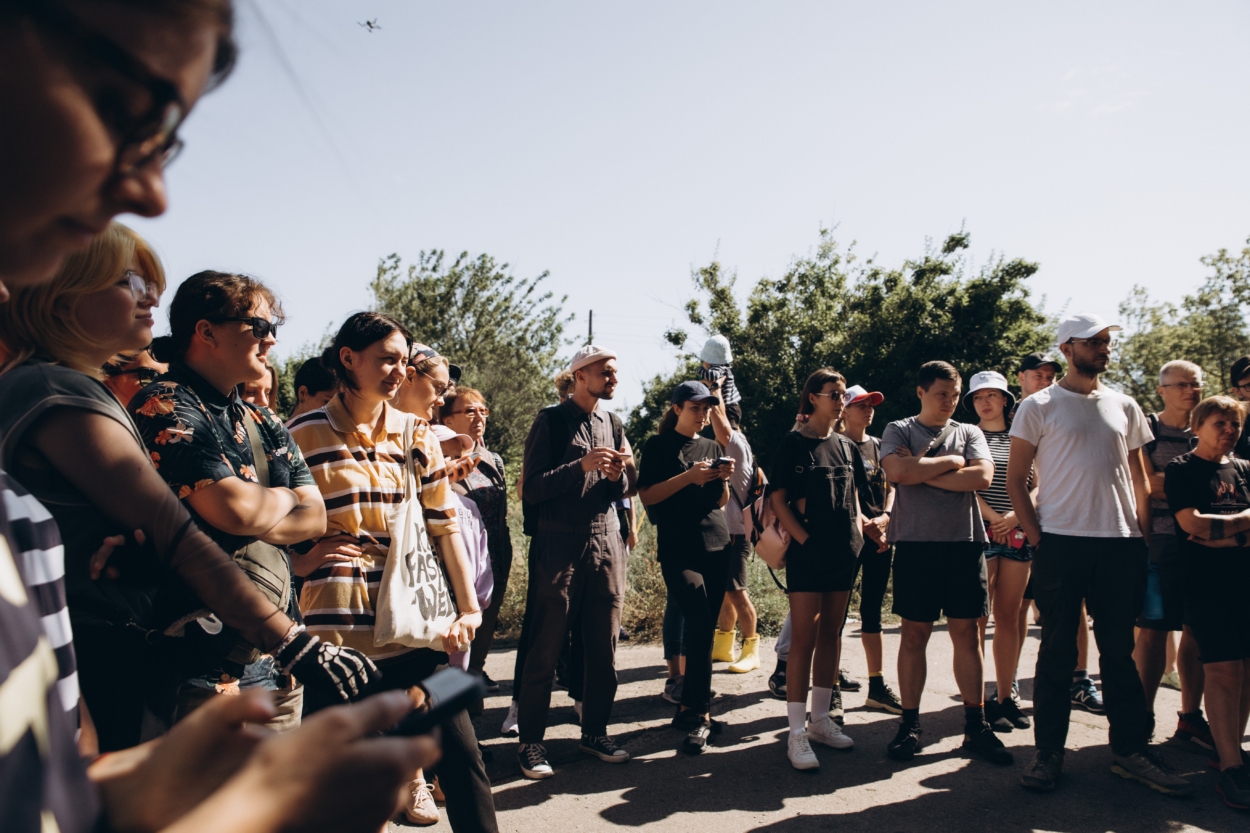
(1035, 360)
(693, 392)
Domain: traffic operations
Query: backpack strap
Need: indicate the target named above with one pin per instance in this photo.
(1153, 421)
(258, 448)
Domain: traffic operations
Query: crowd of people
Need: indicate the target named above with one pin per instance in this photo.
(194, 591)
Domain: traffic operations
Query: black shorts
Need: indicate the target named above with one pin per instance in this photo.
(932, 578)
(737, 553)
(1165, 590)
(816, 569)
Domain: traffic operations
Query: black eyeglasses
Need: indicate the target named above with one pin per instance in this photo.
(143, 375)
(151, 137)
(262, 328)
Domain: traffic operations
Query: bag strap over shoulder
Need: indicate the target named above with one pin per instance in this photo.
(937, 441)
(258, 450)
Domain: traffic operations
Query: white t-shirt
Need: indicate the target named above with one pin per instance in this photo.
(1082, 459)
(739, 482)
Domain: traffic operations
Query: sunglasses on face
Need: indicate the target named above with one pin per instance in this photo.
(150, 137)
(262, 328)
(143, 375)
(836, 396)
(473, 412)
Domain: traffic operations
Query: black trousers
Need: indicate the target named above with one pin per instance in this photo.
(461, 773)
(578, 577)
(1109, 575)
(118, 678)
(697, 585)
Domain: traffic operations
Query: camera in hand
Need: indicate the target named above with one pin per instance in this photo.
(721, 462)
(446, 693)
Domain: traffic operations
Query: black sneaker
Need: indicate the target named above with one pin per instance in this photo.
(1086, 696)
(995, 717)
(906, 743)
(1151, 770)
(846, 683)
(1234, 787)
(777, 682)
(835, 707)
(1194, 729)
(490, 684)
(981, 740)
(603, 748)
(881, 696)
(696, 739)
(1010, 710)
(533, 760)
(1043, 774)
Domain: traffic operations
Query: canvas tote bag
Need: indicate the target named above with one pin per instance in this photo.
(415, 604)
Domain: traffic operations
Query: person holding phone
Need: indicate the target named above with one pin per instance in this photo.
(684, 484)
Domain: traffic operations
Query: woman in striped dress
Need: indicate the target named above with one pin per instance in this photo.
(354, 449)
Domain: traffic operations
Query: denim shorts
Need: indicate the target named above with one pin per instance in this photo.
(993, 550)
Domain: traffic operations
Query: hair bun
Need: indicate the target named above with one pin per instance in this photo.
(162, 349)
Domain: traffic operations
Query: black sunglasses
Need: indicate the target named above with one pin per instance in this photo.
(143, 375)
(151, 137)
(261, 327)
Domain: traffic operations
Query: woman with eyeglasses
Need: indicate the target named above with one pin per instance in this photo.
(465, 412)
(817, 477)
(355, 447)
(66, 438)
(232, 463)
(427, 379)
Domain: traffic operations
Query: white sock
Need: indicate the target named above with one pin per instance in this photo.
(822, 698)
(797, 714)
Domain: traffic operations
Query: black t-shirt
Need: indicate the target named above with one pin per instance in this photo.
(691, 520)
(1242, 449)
(1216, 577)
(796, 457)
(872, 496)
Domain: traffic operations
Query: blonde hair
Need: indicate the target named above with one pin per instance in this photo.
(1213, 405)
(30, 323)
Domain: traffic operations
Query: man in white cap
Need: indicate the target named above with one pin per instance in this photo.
(1093, 507)
(575, 457)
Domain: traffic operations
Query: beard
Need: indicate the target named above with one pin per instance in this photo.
(1090, 368)
(604, 391)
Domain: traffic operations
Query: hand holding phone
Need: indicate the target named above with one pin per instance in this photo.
(446, 693)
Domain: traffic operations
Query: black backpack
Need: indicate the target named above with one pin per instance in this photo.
(561, 432)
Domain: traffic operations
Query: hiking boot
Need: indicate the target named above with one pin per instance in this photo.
(882, 697)
(1085, 695)
(1234, 787)
(906, 743)
(533, 760)
(1195, 729)
(723, 646)
(777, 682)
(696, 739)
(836, 714)
(672, 689)
(749, 658)
(995, 717)
(511, 723)
(490, 684)
(830, 734)
(1010, 710)
(846, 683)
(603, 748)
(1152, 771)
(1044, 773)
(800, 753)
(981, 740)
(420, 808)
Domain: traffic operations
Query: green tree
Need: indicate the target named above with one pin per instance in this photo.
(505, 332)
(875, 325)
(1206, 327)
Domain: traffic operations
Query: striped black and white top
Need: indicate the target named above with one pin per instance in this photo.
(1000, 450)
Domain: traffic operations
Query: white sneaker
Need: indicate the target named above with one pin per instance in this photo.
(511, 723)
(829, 733)
(800, 753)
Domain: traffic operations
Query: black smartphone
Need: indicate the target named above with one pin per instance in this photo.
(447, 692)
(724, 461)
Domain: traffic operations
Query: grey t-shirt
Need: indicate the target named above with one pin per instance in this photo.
(740, 482)
(1169, 443)
(927, 513)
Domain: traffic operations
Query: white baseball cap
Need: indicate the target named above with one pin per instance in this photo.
(589, 355)
(856, 393)
(446, 435)
(991, 379)
(1082, 325)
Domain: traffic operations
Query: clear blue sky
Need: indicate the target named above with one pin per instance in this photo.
(619, 145)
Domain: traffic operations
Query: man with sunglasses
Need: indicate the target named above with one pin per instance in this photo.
(1086, 530)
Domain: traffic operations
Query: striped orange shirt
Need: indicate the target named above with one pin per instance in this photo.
(361, 479)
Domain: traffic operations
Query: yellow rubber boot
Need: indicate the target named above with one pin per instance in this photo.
(723, 646)
(749, 659)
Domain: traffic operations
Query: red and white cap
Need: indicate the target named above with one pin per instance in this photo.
(445, 435)
(856, 393)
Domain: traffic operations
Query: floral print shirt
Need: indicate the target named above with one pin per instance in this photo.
(196, 436)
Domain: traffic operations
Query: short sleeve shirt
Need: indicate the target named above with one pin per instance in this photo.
(740, 481)
(797, 455)
(1169, 443)
(196, 436)
(1083, 443)
(691, 520)
(927, 513)
(872, 499)
(1216, 580)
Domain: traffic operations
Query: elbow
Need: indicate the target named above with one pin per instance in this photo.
(985, 481)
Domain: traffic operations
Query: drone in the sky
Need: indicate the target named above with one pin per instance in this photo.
(371, 25)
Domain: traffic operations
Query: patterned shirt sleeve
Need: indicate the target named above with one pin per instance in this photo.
(179, 438)
(286, 462)
(438, 501)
